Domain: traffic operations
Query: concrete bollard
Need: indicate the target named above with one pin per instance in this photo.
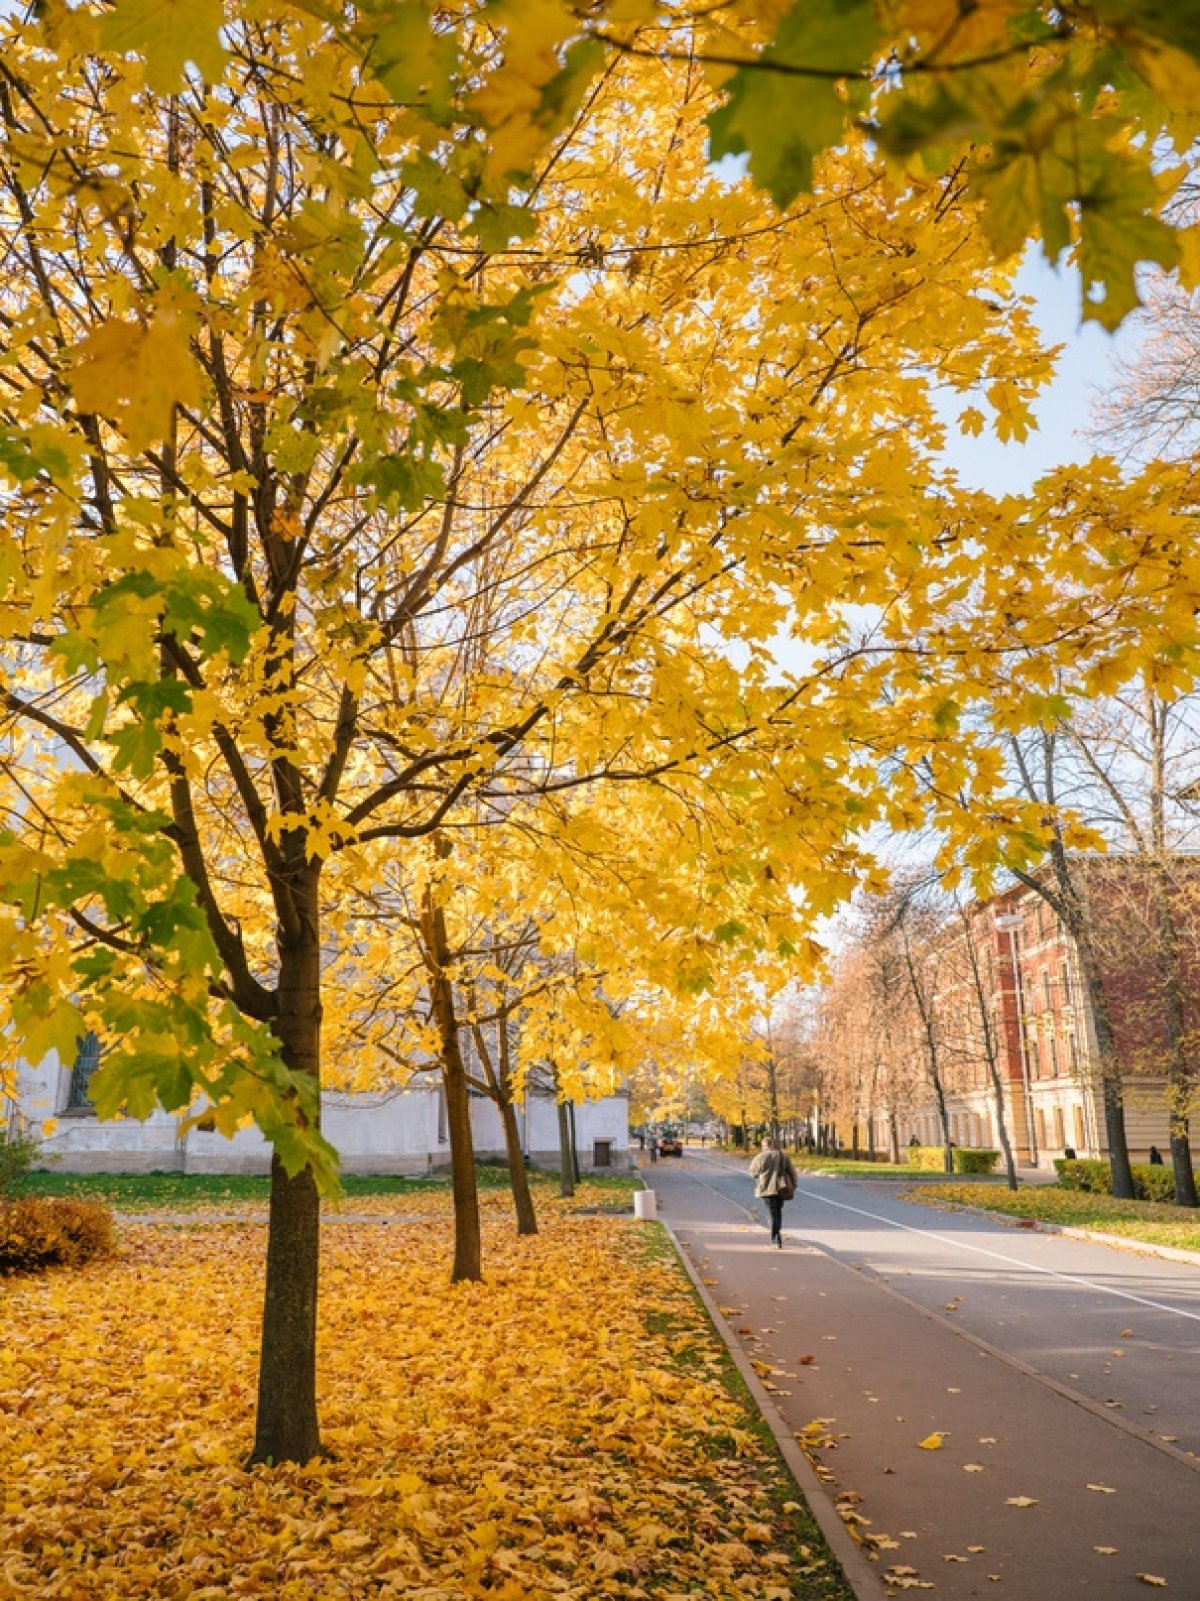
(645, 1205)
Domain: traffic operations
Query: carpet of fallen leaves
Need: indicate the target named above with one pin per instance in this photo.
(1148, 1221)
(560, 1432)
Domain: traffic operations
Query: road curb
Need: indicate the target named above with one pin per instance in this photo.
(859, 1575)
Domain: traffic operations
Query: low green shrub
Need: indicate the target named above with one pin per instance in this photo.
(1152, 1182)
(967, 1159)
(1094, 1177)
(17, 1155)
(37, 1232)
(1084, 1173)
(970, 1159)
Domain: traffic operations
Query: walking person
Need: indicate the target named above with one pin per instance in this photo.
(652, 1146)
(775, 1183)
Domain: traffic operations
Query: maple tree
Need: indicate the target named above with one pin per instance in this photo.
(386, 438)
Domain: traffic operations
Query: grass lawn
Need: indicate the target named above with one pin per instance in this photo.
(183, 1192)
(570, 1429)
(1149, 1221)
(847, 1167)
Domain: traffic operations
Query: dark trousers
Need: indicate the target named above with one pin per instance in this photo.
(775, 1208)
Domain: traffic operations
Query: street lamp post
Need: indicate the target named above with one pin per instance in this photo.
(1009, 923)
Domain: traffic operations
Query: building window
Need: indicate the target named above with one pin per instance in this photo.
(1077, 1119)
(601, 1153)
(1039, 1123)
(1052, 1045)
(443, 1133)
(1060, 1134)
(1064, 981)
(87, 1059)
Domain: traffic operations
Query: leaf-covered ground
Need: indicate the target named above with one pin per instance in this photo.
(1148, 1221)
(565, 1430)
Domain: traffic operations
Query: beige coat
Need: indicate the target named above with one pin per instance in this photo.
(767, 1168)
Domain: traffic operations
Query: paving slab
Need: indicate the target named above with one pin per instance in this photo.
(1021, 1490)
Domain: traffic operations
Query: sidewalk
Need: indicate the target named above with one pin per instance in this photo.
(1026, 1491)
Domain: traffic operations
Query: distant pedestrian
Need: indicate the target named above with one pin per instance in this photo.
(1155, 1156)
(652, 1147)
(775, 1183)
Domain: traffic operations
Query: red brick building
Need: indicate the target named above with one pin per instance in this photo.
(1042, 1029)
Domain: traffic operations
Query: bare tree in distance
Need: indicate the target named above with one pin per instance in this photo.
(1038, 762)
(1140, 751)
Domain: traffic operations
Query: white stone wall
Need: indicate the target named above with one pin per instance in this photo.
(79, 1142)
(537, 1123)
(394, 1132)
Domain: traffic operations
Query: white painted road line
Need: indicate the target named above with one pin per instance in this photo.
(999, 1256)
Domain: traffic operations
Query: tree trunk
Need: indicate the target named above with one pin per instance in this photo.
(287, 1429)
(1179, 1071)
(944, 1120)
(924, 1005)
(1110, 1072)
(566, 1184)
(1171, 965)
(575, 1173)
(1071, 909)
(987, 1035)
(518, 1177)
(468, 1249)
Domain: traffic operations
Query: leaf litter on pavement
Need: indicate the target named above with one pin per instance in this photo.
(562, 1432)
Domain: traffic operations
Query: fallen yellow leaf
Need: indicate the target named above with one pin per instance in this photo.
(931, 1442)
(1021, 1500)
(1153, 1578)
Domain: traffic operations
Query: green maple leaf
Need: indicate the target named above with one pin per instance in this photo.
(1116, 232)
(785, 119)
(1175, 22)
(168, 34)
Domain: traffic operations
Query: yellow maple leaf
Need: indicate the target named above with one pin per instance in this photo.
(931, 1442)
(169, 34)
(136, 373)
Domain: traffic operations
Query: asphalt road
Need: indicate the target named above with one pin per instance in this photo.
(1061, 1377)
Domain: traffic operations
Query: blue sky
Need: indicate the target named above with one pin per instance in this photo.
(1064, 407)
